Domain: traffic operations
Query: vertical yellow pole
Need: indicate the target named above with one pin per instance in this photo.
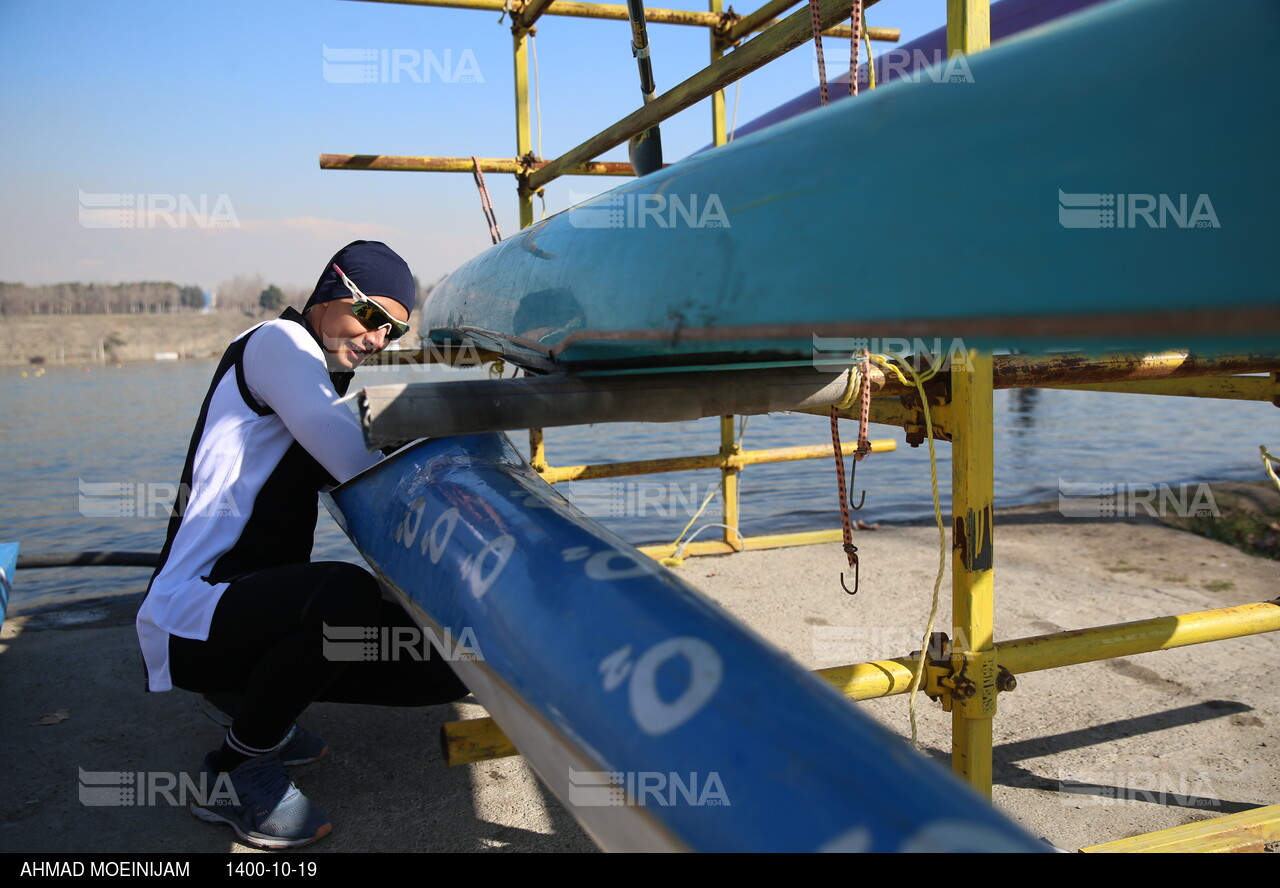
(718, 126)
(524, 133)
(524, 144)
(728, 445)
(972, 471)
(972, 592)
(537, 451)
(968, 26)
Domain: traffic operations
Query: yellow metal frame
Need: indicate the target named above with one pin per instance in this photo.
(1247, 831)
(967, 674)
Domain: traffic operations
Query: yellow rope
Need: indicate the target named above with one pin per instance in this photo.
(733, 121)
(885, 364)
(537, 93)
(918, 382)
(1267, 460)
(871, 62)
(674, 560)
(852, 389)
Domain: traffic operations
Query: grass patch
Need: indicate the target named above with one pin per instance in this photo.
(1248, 518)
(1219, 585)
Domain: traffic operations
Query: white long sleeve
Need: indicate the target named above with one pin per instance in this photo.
(285, 370)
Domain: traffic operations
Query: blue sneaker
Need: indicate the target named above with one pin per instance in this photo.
(264, 808)
(300, 746)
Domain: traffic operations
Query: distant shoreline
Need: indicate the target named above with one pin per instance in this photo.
(84, 340)
(79, 340)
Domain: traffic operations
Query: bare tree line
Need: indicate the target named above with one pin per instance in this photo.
(242, 293)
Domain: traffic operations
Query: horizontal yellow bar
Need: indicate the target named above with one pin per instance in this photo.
(866, 681)
(766, 541)
(1123, 639)
(556, 474)
(883, 678)
(766, 16)
(474, 740)
(1246, 831)
(715, 21)
(580, 10)
(412, 164)
(1238, 388)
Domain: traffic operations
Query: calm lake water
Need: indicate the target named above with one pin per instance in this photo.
(73, 427)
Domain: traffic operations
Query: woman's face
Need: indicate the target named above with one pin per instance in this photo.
(346, 341)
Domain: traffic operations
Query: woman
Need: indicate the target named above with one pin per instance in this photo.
(235, 609)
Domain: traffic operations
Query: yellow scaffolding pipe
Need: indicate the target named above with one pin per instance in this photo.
(886, 678)
(418, 164)
(745, 544)
(972, 592)
(765, 17)
(754, 54)
(524, 137)
(968, 26)
(1246, 831)
(732, 460)
(714, 20)
(1236, 388)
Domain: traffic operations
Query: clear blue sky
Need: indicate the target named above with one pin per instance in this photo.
(231, 97)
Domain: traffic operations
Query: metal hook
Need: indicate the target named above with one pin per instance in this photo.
(853, 551)
(853, 475)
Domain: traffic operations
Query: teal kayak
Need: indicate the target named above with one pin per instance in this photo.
(8, 563)
(1086, 185)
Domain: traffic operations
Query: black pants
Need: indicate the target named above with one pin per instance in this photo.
(266, 643)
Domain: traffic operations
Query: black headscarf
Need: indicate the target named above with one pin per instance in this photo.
(374, 268)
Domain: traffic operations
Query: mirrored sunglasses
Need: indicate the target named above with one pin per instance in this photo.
(370, 313)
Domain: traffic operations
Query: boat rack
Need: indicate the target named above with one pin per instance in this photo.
(966, 672)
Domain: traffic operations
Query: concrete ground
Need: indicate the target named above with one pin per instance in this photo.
(1160, 739)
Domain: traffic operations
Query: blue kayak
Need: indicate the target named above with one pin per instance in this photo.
(660, 721)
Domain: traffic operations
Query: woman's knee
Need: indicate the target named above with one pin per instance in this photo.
(344, 595)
